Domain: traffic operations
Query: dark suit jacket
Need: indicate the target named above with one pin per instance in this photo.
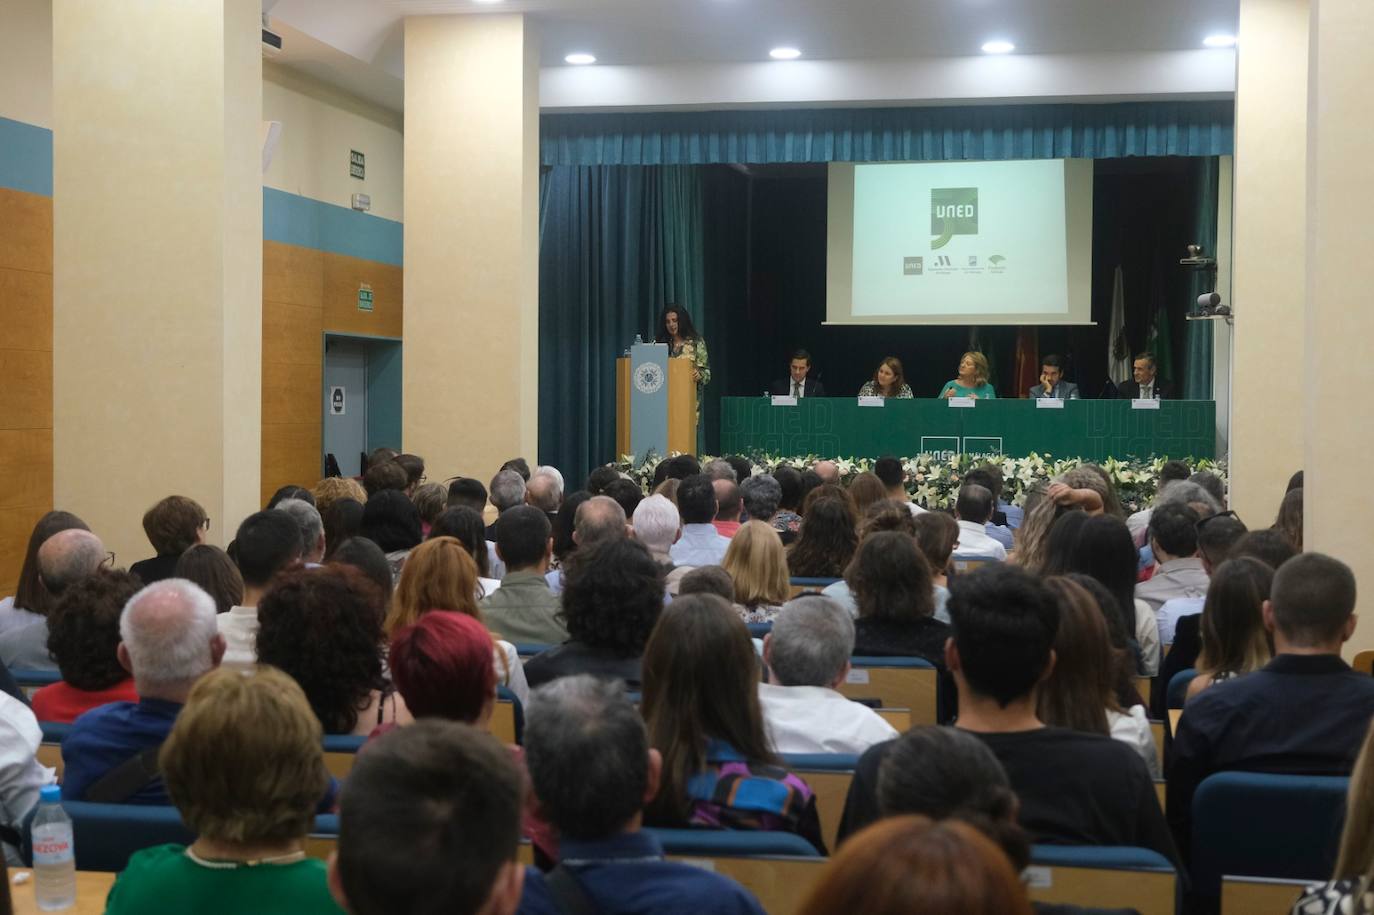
(810, 387)
(1131, 391)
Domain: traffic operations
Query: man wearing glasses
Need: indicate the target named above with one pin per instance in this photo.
(64, 559)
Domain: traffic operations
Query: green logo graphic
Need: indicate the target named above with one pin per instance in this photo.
(953, 211)
(996, 260)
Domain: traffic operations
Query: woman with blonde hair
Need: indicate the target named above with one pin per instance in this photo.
(1234, 640)
(245, 768)
(1347, 892)
(972, 380)
(332, 489)
(757, 564)
(440, 574)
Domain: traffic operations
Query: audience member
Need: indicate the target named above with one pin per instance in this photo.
(730, 505)
(311, 527)
(443, 667)
(807, 656)
(391, 521)
(64, 559)
(467, 493)
(973, 511)
(892, 474)
(937, 534)
(989, 476)
(787, 521)
(762, 495)
(520, 466)
(758, 566)
(212, 569)
(1289, 520)
(441, 576)
(366, 557)
(828, 471)
(168, 642)
(744, 468)
(701, 703)
(31, 600)
(866, 489)
(810, 481)
(1234, 639)
(600, 478)
(1212, 484)
(709, 580)
(593, 771)
(626, 494)
(544, 491)
(1179, 571)
(700, 544)
(1125, 651)
(429, 821)
(385, 476)
(431, 501)
(909, 865)
(1217, 536)
(827, 541)
(1269, 547)
(342, 519)
(245, 768)
(1081, 690)
(379, 455)
(563, 523)
(267, 543)
(414, 466)
(891, 584)
(1305, 711)
(1170, 472)
(324, 628)
(719, 469)
(524, 610)
(289, 491)
(507, 491)
(550, 471)
(83, 637)
(1074, 788)
(467, 527)
(22, 776)
(658, 525)
(596, 520)
(612, 597)
(668, 490)
(173, 525)
(1347, 893)
(333, 489)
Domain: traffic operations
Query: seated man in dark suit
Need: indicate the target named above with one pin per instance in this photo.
(1145, 385)
(1075, 788)
(798, 385)
(1305, 712)
(1052, 383)
(593, 770)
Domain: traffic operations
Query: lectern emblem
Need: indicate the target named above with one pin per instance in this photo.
(648, 377)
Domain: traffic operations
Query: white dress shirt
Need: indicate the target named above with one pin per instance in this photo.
(239, 626)
(1133, 728)
(816, 719)
(1147, 637)
(1171, 611)
(974, 543)
(21, 775)
(699, 545)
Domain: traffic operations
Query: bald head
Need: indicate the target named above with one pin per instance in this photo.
(544, 492)
(169, 638)
(828, 471)
(728, 500)
(67, 557)
(598, 519)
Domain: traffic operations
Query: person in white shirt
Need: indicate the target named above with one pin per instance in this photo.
(21, 775)
(893, 475)
(266, 543)
(972, 510)
(807, 655)
(700, 544)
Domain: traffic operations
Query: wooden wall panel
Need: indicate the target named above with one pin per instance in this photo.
(290, 454)
(292, 275)
(26, 370)
(292, 343)
(342, 276)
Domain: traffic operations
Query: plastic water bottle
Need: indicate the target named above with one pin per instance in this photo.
(54, 853)
(638, 339)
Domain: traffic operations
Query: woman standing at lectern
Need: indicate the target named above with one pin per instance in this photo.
(675, 329)
(972, 380)
(887, 381)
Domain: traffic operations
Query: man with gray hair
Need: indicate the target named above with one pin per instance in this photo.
(507, 491)
(807, 655)
(719, 469)
(762, 495)
(544, 491)
(589, 760)
(598, 519)
(168, 641)
(657, 525)
(63, 559)
(307, 518)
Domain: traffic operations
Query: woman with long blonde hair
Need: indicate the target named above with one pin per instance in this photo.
(757, 564)
(1347, 892)
(1234, 640)
(440, 574)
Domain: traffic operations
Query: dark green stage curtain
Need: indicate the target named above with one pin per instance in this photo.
(889, 134)
(615, 246)
(1197, 362)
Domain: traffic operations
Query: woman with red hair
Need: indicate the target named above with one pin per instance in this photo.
(443, 667)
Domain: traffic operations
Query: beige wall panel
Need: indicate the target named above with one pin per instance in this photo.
(26, 395)
(290, 454)
(26, 468)
(342, 277)
(25, 231)
(291, 393)
(292, 274)
(290, 334)
(25, 310)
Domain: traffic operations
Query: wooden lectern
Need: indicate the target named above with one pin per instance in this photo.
(682, 407)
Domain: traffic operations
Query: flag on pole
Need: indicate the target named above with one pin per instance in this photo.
(1027, 372)
(1160, 343)
(1118, 347)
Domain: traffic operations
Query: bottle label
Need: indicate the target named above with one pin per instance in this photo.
(52, 850)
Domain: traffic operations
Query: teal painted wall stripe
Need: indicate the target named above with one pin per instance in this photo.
(25, 157)
(295, 220)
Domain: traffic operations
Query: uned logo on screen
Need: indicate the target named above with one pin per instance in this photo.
(953, 211)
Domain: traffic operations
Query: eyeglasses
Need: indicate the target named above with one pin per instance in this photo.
(109, 560)
(1204, 521)
(206, 523)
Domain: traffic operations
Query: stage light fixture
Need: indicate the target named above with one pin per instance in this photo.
(784, 53)
(998, 47)
(580, 59)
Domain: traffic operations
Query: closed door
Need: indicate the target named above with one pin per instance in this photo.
(345, 403)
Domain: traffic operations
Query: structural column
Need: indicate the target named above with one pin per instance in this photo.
(1339, 367)
(471, 329)
(1269, 254)
(157, 272)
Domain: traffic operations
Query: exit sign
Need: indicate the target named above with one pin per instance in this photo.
(364, 297)
(357, 165)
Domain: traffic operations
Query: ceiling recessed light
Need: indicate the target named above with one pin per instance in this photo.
(998, 47)
(784, 53)
(1220, 41)
(487, 1)
(580, 59)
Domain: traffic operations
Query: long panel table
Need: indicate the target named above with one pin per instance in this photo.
(1091, 429)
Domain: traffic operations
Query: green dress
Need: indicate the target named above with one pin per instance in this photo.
(164, 879)
(984, 391)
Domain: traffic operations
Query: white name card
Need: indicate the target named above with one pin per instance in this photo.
(1143, 404)
(1038, 878)
(872, 401)
(1048, 403)
(784, 400)
(963, 403)
(856, 676)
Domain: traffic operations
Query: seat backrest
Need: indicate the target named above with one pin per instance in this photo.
(829, 775)
(1253, 824)
(1107, 877)
(810, 585)
(1364, 661)
(911, 683)
(323, 837)
(759, 630)
(780, 884)
(106, 835)
(340, 750)
(508, 718)
(1157, 732)
(1178, 686)
(1240, 895)
(899, 718)
(964, 564)
(530, 649)
(732, 843)
(31, 680)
